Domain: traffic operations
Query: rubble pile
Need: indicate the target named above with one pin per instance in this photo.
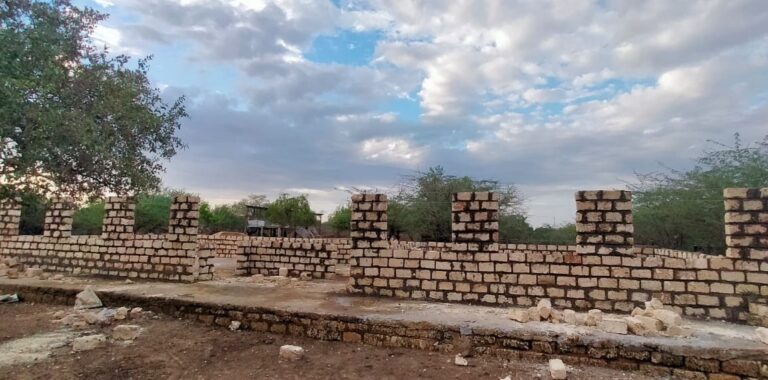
(653, 320)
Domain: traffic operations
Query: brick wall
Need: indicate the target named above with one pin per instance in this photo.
(173, 257)
(118, 218)
(475, 222)
(604, 222)
(746, 223)
(58, 218)
(709, 286)
(10, 216)
(301, 258)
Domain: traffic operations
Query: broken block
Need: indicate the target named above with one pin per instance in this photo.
(557, 369)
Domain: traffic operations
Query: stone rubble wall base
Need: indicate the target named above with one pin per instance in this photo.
(653, 358)
(118, 252)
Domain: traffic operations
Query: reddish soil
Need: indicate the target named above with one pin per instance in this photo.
(176, 349)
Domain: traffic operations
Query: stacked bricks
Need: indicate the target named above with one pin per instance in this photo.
(10, 216)
(475, 222)
(183, 222)
(58, 218)
(746, 223)
(301, 257)
(118, 218)
(604, 222)
(368, 229)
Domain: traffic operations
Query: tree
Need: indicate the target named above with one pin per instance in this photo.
(221, 218)
(684, 209)
(514, 228)
(88, 219)
(340, 219)
(73, 118)
(152, 213)
(241, 207)
(422, 207)
(291, 211)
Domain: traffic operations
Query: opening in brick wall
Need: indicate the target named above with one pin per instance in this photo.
(32, 215)
(152, 213)
(88, 219)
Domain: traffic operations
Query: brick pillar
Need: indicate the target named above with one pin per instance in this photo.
(604, 222)
(183, 222)
(10, 216)
(368, 229)
(475, 222)
(746, 223)
(118, 218)
(58, 218)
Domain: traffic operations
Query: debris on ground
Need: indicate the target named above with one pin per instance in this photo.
(126, 332)
(121, 313)
(653, 320)
(88, 342)
(9, 298)
(235, 325)
(87, 299)
(762, 334)
(557, 369)
(460, 361)
(291, 353)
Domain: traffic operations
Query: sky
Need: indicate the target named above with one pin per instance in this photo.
(315, 97)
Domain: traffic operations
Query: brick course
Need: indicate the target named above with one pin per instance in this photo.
(10, 216)
(604, 222)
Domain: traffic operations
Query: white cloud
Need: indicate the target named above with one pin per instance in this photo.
(393, 150)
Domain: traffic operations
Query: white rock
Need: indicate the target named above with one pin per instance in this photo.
(762, 334)
(126, 332)
(136, 312)
(614, 326)
(668, 317)
(305, 276)
(508, 377)
(87, 299)
(593, 317)
(121, 313)
(569, 316)
(654, 304)
(533, 314)
(545, 308)
(282, 272)
(291, 353)
(519, 315)
(235, 325)
(460, 361)
(88, 342)
(556, 316)
(557, 369)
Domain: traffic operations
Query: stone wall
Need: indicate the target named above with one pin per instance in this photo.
(475, 222)
(309, 259)
(612, 280)
(10, 216)
(604, 222)
(117, 252)
(746, 223)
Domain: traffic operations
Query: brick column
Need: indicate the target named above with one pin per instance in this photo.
(368, 229)
(118, 218)
(58, 218)
(10, 216)
(746, 223)
(183, 222)
(604, 222)
(475, 222)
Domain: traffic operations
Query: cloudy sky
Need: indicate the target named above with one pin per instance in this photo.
(309, 97)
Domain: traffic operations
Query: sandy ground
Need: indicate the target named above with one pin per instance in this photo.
(176, 349)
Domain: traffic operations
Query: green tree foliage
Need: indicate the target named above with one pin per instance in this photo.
(291, 211)
(562, 234)
(73, 118)
(514, 228)
(88, 219)
(152, 213)
(422, 207)
(221, 218)
(684, 209)
(340, 219)
(32, 214)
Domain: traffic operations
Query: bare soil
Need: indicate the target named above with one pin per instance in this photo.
(178, 349)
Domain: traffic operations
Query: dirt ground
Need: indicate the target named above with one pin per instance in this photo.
(177, 349)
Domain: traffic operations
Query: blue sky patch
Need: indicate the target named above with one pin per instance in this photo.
(346, 47)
